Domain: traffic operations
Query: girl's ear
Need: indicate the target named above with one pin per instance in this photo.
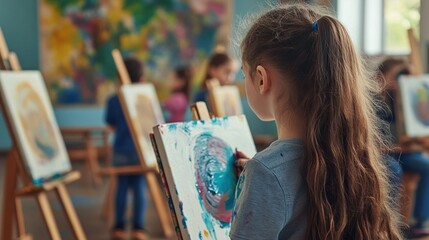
(263, 80)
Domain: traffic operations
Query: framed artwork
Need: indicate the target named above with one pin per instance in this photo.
(227, 101)
(143, 111)
(77, 37)
(197, 160)
(414, 93)
(30, 113)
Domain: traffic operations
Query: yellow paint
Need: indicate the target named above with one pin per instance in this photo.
(206, 233)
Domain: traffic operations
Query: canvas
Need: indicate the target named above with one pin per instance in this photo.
(414, 92)
(227, 100)
(33, 124)
(142, 110)
(197, 159)
(77, 37)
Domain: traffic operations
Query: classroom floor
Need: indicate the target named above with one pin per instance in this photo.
(87, 200)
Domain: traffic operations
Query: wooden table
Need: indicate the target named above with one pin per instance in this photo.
(81, 143)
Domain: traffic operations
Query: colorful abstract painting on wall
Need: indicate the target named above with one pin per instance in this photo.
(77, 37)
(197, 160)
(34, 126)
(142, 109)
(415, 104)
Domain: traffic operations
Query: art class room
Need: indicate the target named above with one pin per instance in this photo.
(214, 119)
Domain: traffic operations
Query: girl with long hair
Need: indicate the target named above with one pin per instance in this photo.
(325, 177)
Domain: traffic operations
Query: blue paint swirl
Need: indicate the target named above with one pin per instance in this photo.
(216, 180)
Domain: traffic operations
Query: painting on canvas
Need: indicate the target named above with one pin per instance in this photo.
(414, 92)
(77, 37)
(227, 101)
(197, 159)
(142, 111)
(33, 123)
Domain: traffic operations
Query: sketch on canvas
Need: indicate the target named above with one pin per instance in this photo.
(227, 100)
(414, 92)
(198, 162)
(33, 122)
(143, 111)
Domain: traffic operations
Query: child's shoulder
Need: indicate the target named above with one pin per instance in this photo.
(280, 152)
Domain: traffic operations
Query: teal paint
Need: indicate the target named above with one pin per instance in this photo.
(216, 179)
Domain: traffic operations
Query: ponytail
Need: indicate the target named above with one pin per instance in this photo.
(346, 179)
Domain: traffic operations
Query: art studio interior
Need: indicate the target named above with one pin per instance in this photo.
(214, 119)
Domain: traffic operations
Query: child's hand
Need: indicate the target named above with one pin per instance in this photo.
(240, 161)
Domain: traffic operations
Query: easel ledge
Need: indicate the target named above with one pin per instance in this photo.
(32, 189)
(126, 170)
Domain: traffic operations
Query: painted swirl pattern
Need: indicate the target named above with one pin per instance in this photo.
(216, 180)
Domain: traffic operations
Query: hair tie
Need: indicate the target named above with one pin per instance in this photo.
(314, 26)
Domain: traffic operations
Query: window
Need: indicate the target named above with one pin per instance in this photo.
(399, 16)
(380, 26)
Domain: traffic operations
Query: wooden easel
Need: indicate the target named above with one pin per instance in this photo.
(4, 52)
(150, 172)
(15, 169)
(211, 85)
(199, 111)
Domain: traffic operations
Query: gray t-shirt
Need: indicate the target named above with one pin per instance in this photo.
(271, 195)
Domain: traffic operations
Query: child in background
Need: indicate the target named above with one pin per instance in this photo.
(411, 158)
(220, 67)
(124, 154)
(324, 177)
(177, 103)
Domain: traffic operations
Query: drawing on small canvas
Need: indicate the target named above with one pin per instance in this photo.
(415, 104)
(227, 100)
(33, 122)
(143, 111)
(201, 154)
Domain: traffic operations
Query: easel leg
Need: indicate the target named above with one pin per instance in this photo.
(19, 217)
(45, 208)
(160, 204)
(109, 199)
(9, 196)
(92, 158)
(70, 212)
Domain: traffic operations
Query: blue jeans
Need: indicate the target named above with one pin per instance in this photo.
(137, 184)
(395, 177)
(417, 162)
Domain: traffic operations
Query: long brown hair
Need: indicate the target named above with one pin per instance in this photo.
(185, 74)
(343, 167)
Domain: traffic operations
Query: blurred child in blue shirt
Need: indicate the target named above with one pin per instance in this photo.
(125, 154)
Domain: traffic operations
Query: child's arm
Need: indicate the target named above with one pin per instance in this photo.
(240, 161)
(260, 210)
